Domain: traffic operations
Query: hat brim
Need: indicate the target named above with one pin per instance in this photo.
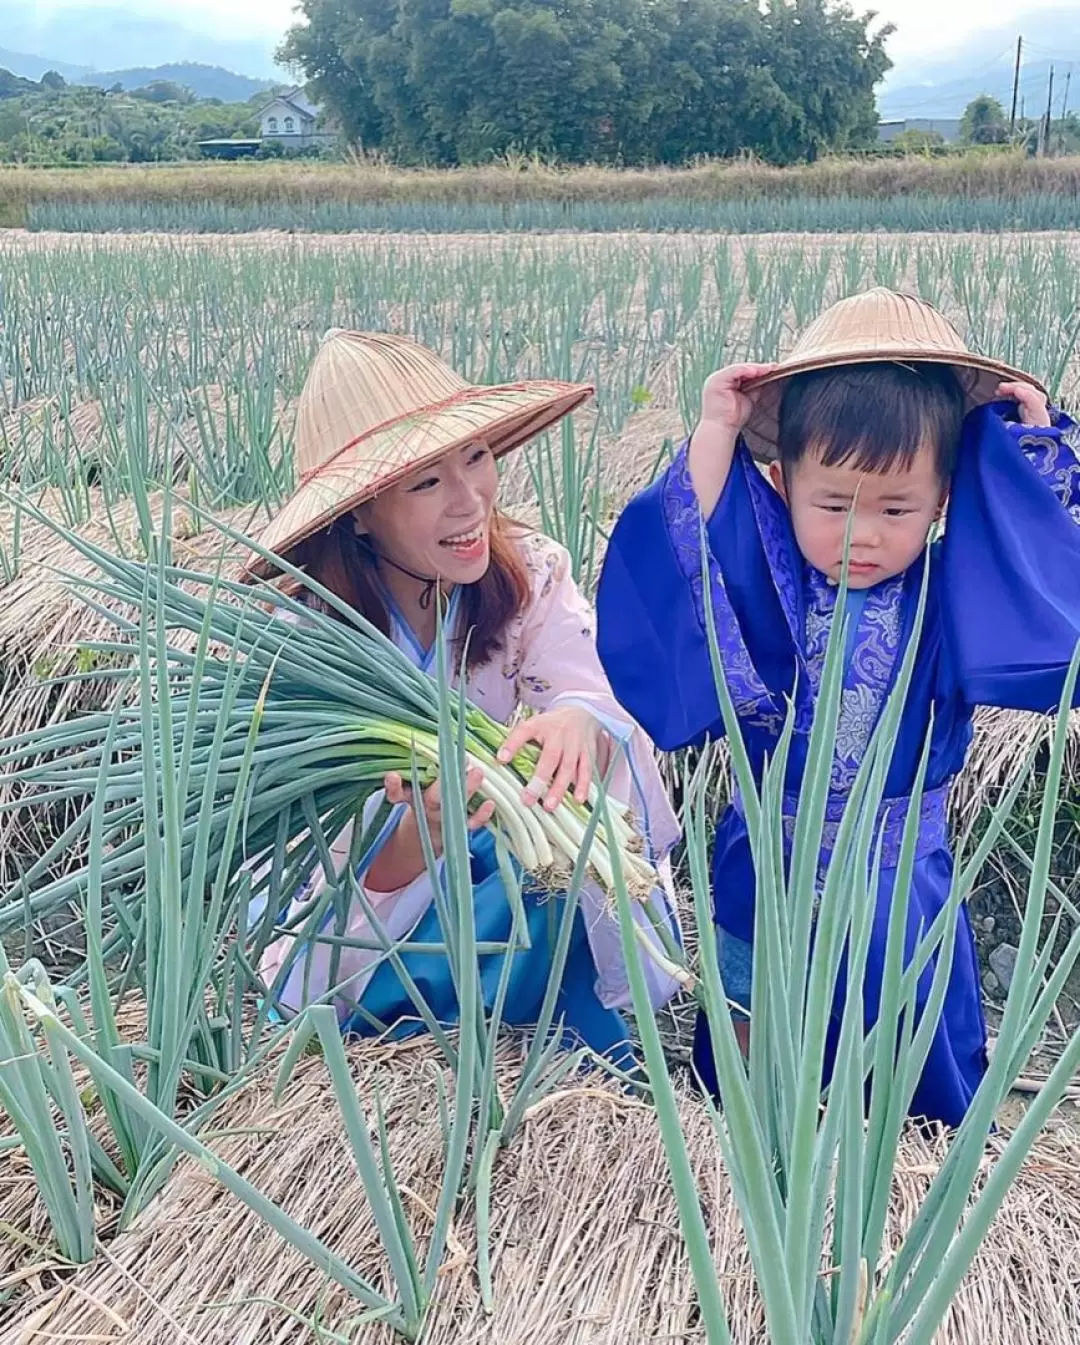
(502, 417)
(979, 377)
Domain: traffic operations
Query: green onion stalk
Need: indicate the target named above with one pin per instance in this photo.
(337, 707)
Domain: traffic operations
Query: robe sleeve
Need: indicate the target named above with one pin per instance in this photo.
(398, 911)
(653, 633)
(558, 666)
(1010, 559)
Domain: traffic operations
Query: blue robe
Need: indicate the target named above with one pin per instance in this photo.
(1001, 624)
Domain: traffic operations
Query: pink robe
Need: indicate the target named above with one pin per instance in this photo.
(548, 660)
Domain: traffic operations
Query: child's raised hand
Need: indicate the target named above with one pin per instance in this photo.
(1033, 406)
(725, 403)
(726, 406)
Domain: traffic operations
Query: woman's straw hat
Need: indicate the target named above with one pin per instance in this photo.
(877, 326)
(376, 407)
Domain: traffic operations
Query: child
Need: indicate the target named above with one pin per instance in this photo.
(865, 418)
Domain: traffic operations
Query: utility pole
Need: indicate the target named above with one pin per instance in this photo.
(1049, 114)
(1016, 86)
(1065, 106)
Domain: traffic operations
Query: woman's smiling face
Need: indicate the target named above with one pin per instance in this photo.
(437, 521)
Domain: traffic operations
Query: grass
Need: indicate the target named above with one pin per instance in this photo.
(988, 190)
(198, 378)
(671, 214)
(794, 1166)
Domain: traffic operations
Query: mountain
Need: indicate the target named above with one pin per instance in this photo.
(14, 86)
(87, 39)
(942, 85)
(204, 81)
(33, 67)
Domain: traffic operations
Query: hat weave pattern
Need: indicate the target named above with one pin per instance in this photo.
(877, 326)
(376, 408)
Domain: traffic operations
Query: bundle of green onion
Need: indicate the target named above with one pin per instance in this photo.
(337, 707)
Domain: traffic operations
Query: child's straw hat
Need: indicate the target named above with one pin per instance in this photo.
(877, 326)
(375, 408)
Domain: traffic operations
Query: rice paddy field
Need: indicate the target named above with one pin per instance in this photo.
(134, 361)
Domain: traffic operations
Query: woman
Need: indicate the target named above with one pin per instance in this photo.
(397, 512)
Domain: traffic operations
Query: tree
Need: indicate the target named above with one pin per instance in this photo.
(984, 122)
(334, 49)
(84, 125)
(916, 142)
(827, 63)
(454, 81)
(164, 91)
(14, 86)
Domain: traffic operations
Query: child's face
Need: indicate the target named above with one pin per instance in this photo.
(893, 513)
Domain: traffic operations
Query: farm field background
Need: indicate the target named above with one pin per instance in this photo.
(991, 190)
(132, 360)
(154, 357)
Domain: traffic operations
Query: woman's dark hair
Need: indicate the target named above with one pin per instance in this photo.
(874, 416)
(344, 563)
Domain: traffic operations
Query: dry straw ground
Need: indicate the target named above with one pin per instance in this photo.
(585, 1232)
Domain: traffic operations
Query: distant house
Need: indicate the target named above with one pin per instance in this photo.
(946, 127)
(292, 119)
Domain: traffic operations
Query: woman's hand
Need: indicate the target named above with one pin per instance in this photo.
(401, 860)
(1033, 406)
(570, 741)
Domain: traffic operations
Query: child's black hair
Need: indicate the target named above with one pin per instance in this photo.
(874, 416)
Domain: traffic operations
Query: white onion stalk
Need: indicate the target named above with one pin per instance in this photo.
(546, 844)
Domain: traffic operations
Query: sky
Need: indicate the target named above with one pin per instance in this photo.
(924, 26)
(927, 31)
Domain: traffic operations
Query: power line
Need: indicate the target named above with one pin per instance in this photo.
(990, 67)
(1032, 79)
(1049, 54)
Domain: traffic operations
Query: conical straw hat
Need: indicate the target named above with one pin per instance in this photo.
(876, 326)
(375, 408)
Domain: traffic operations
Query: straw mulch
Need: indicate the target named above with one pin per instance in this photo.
(586, 1241)
(45, 627)
(43, 622)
